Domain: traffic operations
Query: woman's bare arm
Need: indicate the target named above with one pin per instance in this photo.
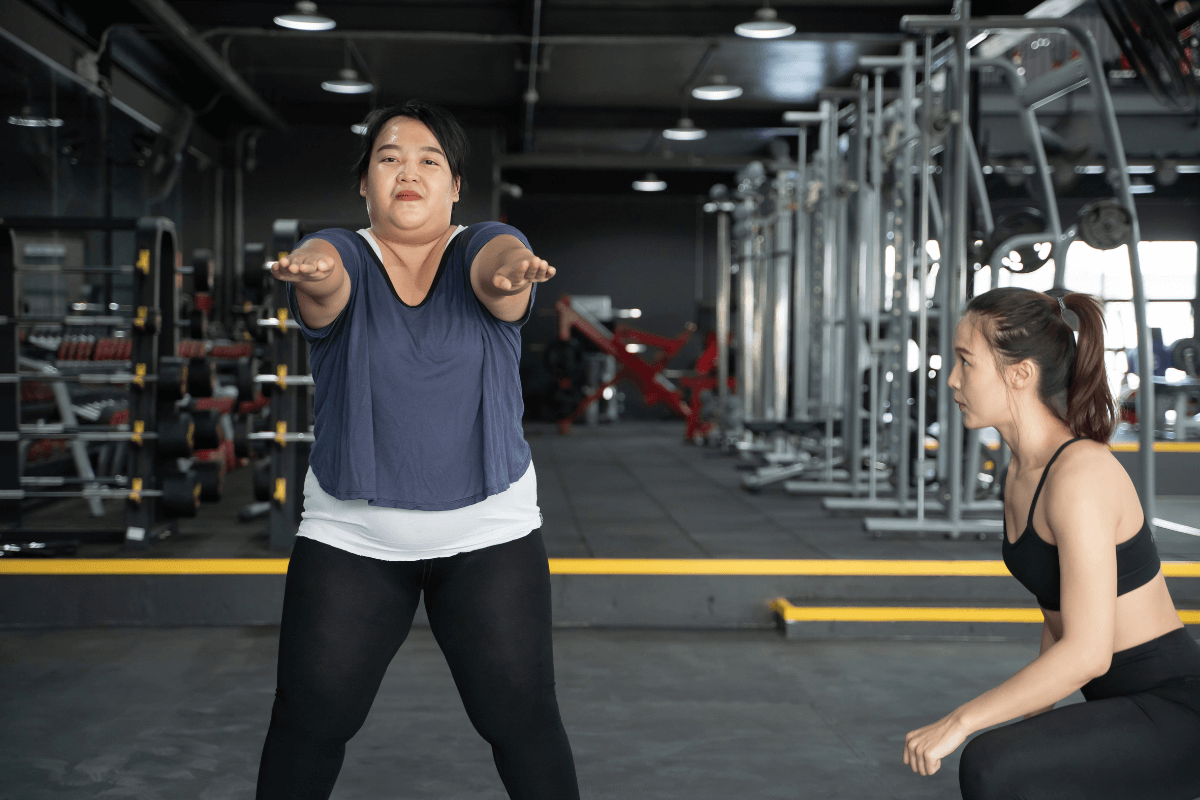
(1048, 639)
(322, 285)
(1082, 512)
(502, 274)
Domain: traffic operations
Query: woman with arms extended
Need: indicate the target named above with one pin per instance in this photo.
(420, 478)
(1076, 537)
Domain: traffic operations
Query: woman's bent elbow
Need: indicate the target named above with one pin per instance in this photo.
(1099, 665)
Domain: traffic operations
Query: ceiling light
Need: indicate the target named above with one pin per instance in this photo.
(979, 37)
(305, 18)
(1139, 186)
(28, 119)
(765, 25)
(359, 127)
(650, 183)
(718, 88)
(347, 82)
(685, 131)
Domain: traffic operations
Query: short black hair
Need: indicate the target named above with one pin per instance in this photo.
(441, 123)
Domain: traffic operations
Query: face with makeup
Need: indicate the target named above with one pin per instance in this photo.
(979, 387)
(408, 186)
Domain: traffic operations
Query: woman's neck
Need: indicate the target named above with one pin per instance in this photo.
(1033, 433)
(413, 249)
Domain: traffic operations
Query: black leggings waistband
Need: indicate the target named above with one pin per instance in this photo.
(1171, 658)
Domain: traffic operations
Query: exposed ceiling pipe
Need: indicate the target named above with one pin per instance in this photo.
(686, 94)
(456, 37)
(639, 162)
(167, 21)
(531, 93)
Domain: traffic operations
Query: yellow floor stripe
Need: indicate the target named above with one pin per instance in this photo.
(793, 613)
(563, 566)
(1159, 447)
(144, 566)
(743, 566)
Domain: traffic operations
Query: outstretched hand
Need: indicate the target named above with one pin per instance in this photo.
(514, 277)
(925, 747)
(302, 266)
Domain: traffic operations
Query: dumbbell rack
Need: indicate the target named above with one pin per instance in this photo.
(152, 333)
(290, 410)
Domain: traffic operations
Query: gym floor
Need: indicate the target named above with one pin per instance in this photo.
(179, 714)
(634, 490)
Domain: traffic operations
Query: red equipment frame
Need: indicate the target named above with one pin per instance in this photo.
(646, 375)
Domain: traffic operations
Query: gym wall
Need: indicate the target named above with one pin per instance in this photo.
(640, 250)
(308, 173)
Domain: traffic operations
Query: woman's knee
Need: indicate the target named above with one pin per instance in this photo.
(317, 715)
(988, 769)
(517, 713)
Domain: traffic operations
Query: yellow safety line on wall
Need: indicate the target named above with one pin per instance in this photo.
(563, 566)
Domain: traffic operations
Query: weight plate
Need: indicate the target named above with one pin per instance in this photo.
(176, 437)
(1186, 356)
(202, 271)
(197, 324)
(247, 388)
(208, 429)
(181, 494)
(200, 377)
(1105, 224)
(262, 481)
(212, 480)
(241, 438)
(172, 379)
(1013, 223)
(253, 275)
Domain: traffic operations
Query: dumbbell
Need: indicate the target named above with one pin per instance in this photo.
(209, 434)
(203, 269)
(254, 276)
(243, 445)
(241, 438)
(247, 387)
(212, 479)
(197, 324)
(172, 379)
(176, 437)
(262, 481)
(181, 494)
(201, 377)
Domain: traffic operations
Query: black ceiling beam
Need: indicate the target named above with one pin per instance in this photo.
(549, 116)
(181, 36)
(609, 118)
(604, 18)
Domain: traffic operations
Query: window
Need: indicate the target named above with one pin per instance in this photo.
(1168, 277)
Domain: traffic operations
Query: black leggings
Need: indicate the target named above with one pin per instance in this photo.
(1137, 736)
(345, 616)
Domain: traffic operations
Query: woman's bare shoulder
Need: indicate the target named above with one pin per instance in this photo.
(1087, 474)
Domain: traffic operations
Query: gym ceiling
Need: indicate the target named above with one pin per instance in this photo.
(611, 74)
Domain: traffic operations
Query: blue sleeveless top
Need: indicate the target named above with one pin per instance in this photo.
(417, 407)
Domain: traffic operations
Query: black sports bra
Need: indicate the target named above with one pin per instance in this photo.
(1034, 561)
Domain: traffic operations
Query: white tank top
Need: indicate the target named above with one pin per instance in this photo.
(399, 534)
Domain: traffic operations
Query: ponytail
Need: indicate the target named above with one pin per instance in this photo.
(1021, 324)
(1091, 412)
